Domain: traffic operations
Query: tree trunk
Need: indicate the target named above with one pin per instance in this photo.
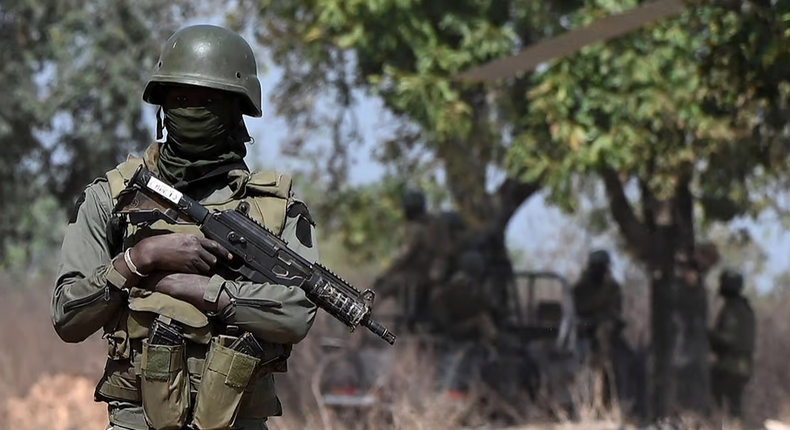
(503, 204)
(664, 242)
(679, 337)
(663, 329)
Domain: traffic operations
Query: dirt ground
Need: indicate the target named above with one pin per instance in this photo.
(59, 402)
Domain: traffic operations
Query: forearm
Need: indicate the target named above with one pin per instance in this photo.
(271, 312)
(274, 313)
(83, 305)
(196, 290)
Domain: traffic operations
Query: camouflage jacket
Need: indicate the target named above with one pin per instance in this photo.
(598, 302)
(732, 339)
(84, 301)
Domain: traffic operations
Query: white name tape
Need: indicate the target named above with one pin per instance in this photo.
(164, 190)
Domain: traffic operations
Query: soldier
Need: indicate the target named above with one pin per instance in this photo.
(732, 341)
(597, 296)
(598, 302)
(127, 280)
(460, 318)
(421, 263)
(458, 306)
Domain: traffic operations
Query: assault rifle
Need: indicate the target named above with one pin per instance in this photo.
(259, 255)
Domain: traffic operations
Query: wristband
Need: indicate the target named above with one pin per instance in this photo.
(128, 259)
(116, 279)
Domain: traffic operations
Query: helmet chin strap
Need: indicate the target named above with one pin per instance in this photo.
(159, 126)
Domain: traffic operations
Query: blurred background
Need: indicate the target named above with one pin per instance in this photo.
(667, 146)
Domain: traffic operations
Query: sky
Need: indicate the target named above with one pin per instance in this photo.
(535, 225)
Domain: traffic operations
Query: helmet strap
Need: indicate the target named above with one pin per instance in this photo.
(159, 126)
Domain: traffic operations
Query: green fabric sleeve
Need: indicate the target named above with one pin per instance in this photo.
(271, 312)
(82, 300)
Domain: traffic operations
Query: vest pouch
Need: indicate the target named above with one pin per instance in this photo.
(164, 386)
(226, 375)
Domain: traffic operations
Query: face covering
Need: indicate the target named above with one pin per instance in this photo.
(596, 272)
(200, 139)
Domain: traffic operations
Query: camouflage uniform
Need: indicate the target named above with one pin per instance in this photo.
(89, 296)
(598, 303)
(422, 261)
(597, 297)
(732, 340)
(463, 322)
(458, 307)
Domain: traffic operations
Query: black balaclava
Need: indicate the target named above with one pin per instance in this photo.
(200, 139)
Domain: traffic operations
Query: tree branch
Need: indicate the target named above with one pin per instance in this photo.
(632, 229)
(648, 204)
(510, 196)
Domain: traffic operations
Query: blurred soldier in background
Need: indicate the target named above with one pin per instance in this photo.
(422, 261)
(598, 301)
(462, 321)
(732, 341)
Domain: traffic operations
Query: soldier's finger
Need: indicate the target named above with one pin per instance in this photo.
(201, 266)
(215, 248)
(208, 257)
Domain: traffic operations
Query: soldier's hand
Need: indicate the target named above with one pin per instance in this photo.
(177, 253)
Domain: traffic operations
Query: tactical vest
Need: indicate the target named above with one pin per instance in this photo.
(267, 194)
(737, 359)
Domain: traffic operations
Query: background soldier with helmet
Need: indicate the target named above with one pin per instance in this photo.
(133, 281)
(732, 341)
(598, 300)
(421, 263)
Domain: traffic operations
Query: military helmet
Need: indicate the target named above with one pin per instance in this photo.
(599, 258)
(730, 282)
(208, 56)
(414, 202)
(473, 263)
(454, 220)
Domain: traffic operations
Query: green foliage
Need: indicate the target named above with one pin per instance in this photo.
(366, 221)
(37, 238)
(406, 54)
(71, 75)
(747, 52)
(642, 106)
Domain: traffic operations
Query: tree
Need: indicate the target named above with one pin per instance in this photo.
(640, 114)
(363, 217)
(71, 75)
(406, 54)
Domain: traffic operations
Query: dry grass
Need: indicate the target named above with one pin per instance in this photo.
(45, 383)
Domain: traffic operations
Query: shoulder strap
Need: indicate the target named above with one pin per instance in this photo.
(269, 182)
(118, 176)
(270, 193)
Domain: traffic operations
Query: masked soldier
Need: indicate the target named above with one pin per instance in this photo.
(458, 307)
(461, 319)
(732, 341)
(169, 311)
(422, 261)
(598, 301)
